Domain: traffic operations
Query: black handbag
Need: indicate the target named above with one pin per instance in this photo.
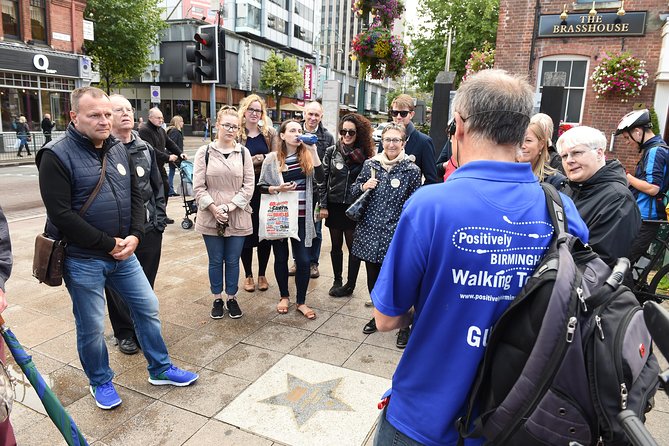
(50, 254)
(357, 210)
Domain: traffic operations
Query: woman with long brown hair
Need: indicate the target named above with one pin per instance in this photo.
(293, 167)
(341, 165)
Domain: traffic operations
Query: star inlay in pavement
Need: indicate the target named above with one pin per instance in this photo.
(308, 398)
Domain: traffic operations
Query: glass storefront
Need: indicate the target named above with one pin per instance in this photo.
(32, 96)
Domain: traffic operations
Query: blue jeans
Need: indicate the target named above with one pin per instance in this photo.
(224, 250)
(315, 250)
(386, 434)
(170, 178)
(301, 255)
(85, 280)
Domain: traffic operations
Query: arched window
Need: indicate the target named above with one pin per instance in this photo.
(576, 70)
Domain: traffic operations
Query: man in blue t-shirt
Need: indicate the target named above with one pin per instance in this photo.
(461, 253)
(649, 182)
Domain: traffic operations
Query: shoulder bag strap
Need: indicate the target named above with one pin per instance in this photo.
(555, 209)
(98, 186)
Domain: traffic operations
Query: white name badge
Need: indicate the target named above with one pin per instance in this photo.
(395, 182)
(140, 171)
(121, 169)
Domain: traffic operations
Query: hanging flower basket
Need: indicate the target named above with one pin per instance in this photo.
(385, 11)
(379, 52)
(619, 75)
(482, 59)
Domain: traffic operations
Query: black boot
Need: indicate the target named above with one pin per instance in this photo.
(352, 278)
(337, 267)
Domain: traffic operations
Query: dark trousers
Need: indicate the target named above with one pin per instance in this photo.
(148, 254)
(264, 250)
(301, 255)
(647, 234)
(373, 270)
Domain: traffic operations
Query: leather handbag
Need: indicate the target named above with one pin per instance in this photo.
(49, 254)
(357, 210)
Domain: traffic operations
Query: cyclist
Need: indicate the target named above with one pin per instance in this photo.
(650, 180)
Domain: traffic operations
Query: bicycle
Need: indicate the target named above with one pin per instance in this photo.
(647, 286)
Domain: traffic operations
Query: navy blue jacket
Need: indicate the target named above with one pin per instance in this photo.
(420, 145)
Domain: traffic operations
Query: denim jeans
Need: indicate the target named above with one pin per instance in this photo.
(315, 250)
(85, 280)
(386, 434)
(224, 250)
(301, 255)
(170, 178)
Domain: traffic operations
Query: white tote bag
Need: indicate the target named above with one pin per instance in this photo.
(278, 216)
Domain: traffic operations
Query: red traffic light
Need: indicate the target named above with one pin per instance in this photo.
(205, 38)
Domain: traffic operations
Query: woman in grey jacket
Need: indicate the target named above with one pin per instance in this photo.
(293, 167)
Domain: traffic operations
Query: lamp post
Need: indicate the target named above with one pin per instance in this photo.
(154, 74)
(361, 76)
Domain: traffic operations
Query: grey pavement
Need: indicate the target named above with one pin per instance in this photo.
(264, 379)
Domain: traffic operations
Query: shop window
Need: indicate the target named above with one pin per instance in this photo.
(575, 69)
(38, 20)
(10, 18)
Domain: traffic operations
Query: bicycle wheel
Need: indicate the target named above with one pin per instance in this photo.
(659, 286)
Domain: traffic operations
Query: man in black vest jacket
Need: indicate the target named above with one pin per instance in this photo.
(101, 242)
(166, 150)
(150, 184)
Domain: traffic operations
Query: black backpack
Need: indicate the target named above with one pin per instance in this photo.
(569, 353)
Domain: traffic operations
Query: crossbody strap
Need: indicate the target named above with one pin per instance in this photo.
(98, 186)
(555, 209)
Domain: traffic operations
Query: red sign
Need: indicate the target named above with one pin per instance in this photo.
(308, 81)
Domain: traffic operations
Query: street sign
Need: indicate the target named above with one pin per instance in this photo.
(155, 94)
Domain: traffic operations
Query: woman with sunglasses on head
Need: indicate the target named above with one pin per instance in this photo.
(258, 135)
(393, 177)
(535, 151)
(341, 165)
(223, 185)
(293, 167)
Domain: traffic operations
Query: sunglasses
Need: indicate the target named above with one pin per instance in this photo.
(344, 132)
(402, 113)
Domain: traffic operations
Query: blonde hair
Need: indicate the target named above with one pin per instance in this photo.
(264, 119)
(546, 122)
(542, 169)
(173, 122)
(403, 100)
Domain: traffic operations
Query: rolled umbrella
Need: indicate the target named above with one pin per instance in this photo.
(51, 403)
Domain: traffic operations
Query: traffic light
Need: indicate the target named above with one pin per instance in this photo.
(203, 57)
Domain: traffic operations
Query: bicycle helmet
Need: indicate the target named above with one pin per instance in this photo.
(636, 118)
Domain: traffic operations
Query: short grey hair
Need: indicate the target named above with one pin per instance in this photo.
(581, 135)
(80, 92)
(495, 106)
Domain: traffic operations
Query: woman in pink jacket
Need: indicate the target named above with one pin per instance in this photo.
(223, 182)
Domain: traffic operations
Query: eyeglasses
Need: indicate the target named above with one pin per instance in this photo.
(128, 110)
(402, 113)
(575, 154)
(392, 140)
(230, 127)
(344, 132)
(255, 111)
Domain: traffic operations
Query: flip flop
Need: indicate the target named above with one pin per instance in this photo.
(282, 309)
(308, 313)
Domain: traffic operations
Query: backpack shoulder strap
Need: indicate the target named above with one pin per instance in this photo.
(555, 209)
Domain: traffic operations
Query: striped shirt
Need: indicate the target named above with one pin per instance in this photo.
(296, 174)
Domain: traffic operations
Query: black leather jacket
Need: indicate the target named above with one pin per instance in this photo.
(338, 178)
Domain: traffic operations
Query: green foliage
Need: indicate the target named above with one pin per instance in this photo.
(125, 32)
(392, 94)
(473, 23)
(654, 121)
(281, 76)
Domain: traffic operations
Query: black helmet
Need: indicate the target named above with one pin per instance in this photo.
(636, 118)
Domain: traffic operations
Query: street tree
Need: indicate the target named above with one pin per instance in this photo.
(471, 22)
(280, 76)
(125, 33)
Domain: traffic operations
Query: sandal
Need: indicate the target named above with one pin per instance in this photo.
(306, 311)
(281, 308)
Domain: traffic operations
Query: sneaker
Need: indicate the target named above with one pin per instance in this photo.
(233, 309)
(218, 309)
(314, 271)
(105, 396)
(292, 270)
(128, 346)
(370, 327)
(174, 376)
(402, 337)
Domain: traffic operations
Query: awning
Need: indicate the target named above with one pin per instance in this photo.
(291, 107)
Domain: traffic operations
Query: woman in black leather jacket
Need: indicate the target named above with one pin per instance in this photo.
(342, 164)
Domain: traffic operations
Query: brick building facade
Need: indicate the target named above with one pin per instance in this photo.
(526, 48)
(41, 61)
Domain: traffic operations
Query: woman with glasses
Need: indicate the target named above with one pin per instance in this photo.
(257, 134)
(223, 185)
(341, 165)
(175, 133)
(535, 151)
(293, 167)
(393, 177)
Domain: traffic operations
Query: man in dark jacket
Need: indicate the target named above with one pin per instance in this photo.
(600, 192)
(166, 150)
(151, 186)
(417, 144)
(47, 125)
(101, 242)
